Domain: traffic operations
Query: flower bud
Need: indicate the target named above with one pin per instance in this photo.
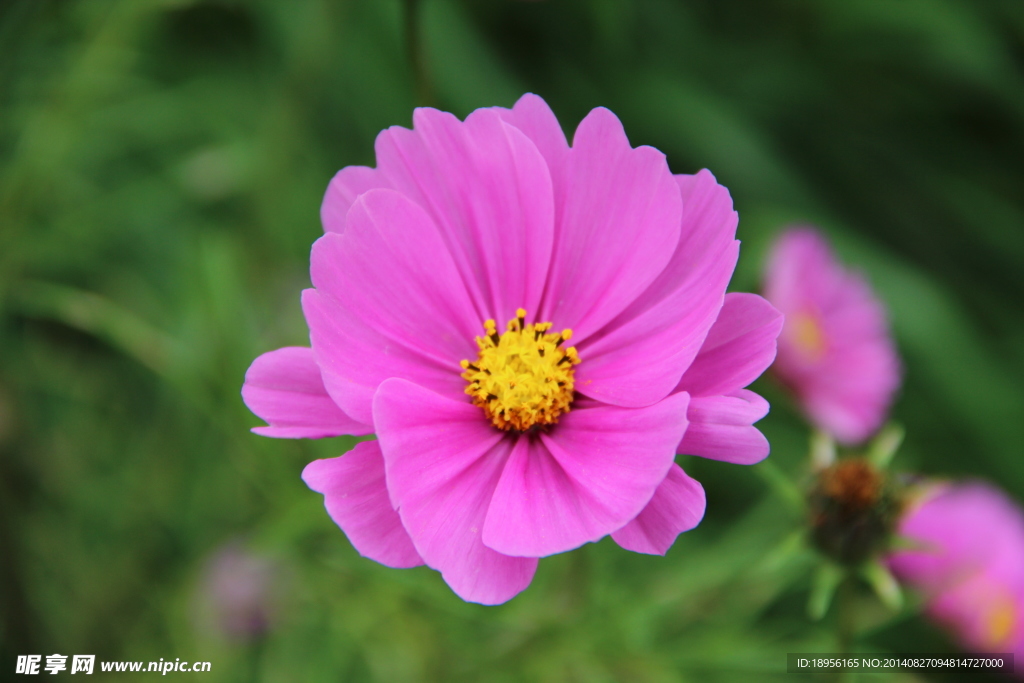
(853, 511)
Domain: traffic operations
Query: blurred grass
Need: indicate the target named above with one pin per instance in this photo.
(161, 169)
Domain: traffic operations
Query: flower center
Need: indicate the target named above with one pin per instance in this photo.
(523, 377)
(808, 336)
(852, 512)
(1000, 620)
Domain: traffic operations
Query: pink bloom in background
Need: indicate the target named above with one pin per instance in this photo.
(971, 565)
(533, 331)
(835, 351)
(237, 594)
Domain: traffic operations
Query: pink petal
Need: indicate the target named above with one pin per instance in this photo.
(739, 347)
(677, 506)
(284, 388)
(970, 563)
(802, 271)
(845, 381)
(357, 500)
(593, 473)
(639, 357)
(342, 192)
(388, 303)
(443, 460)
(798, 257)
(848, 392)
(616, 227)
(974, 609)
(534, 118)
(964, 528)
(488, 189)
(721, 428)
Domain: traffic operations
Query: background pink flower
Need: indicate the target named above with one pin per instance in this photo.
(971, 565)
(835, 351)
(239, 592)
(498, 219)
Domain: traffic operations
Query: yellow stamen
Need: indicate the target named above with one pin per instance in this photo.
(522, 378)
(1000, 622)
(806, 333)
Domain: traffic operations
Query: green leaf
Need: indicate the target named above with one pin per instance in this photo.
(823, 450)
(885, 445)
(826, 580)
(884, 584)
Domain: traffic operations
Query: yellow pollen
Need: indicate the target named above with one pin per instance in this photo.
(808, 336)
(1000, 622)
(523, 377)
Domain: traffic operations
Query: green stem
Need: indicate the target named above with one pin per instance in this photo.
(845, 621)
(781, 485)
(96, 315)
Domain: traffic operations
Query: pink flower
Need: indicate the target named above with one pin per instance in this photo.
(971, 568)
(499, 444)
(237, 592)
(835, 351)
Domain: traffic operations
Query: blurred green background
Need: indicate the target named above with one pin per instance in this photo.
(161, 169)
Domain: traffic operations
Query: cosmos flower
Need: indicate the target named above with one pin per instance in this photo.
(238, 595)
(533, 331)
(835, 351)
(970, 565)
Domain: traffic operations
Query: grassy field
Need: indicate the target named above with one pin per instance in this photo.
(162, 164)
